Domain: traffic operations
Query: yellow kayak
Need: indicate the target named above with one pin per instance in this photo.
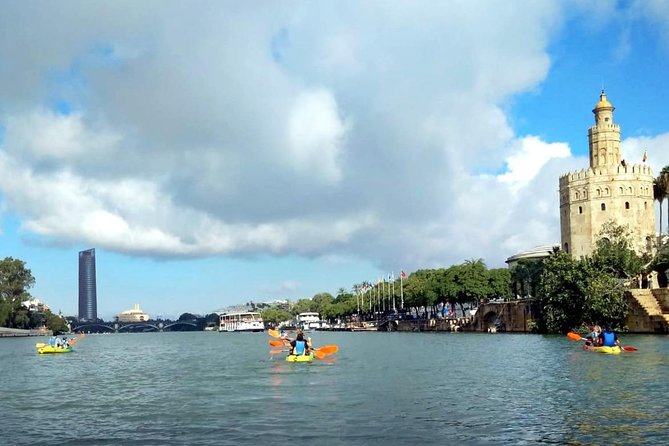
(46, 348)
(300, 358)
(603, 349)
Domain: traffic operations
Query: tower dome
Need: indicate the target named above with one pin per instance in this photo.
(603, 103)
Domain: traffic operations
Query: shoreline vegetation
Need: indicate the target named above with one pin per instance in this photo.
(570, 292)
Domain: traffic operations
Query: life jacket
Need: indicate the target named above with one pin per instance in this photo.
(300, 347)
(609, 339)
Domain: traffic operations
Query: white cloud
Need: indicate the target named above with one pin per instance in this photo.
(323, 130)
(531, 155)
(316, 134)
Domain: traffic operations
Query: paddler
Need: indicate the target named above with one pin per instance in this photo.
(608, 338)
(300, 346)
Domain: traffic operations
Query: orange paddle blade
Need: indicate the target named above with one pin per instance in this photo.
(273, 333)
(629, 349)
(319, 354)
(574, 336)
(328, 349)
(276, 343)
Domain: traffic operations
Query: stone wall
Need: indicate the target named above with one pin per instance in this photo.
(649, 310)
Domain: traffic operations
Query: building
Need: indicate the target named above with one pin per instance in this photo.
(134, 315)
(88, 299)
(538, 253)
(611, 189)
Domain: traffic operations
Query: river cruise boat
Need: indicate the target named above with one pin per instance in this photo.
(310, 321)
(247, 321)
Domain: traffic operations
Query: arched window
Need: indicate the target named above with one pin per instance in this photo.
(645, 205)
(580, 209)
(621, 190)
(606, 191)
(627, 205)
(566, 247)
(577, 195)
(603, 207)
(630, 191)
(599, 192)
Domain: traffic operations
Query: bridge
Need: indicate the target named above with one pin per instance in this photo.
(133, 327)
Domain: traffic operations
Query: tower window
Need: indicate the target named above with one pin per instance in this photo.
(580, 209)
(603, 206)
(621, 191)
(627, 205)
(645, 205)
(566, 247)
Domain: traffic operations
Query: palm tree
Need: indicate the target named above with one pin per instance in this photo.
(659, 192)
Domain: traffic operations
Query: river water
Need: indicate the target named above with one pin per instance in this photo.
(379, 389)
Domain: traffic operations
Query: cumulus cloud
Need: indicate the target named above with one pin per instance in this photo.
(373, 130)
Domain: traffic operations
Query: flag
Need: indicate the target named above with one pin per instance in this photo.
(403, 275)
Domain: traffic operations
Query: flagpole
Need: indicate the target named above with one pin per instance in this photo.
(401, 290)
(393, 293)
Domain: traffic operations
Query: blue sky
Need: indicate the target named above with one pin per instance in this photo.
(222, 152)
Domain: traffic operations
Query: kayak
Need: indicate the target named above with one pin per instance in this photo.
(602, 349)
(300, 358)
(48, 349)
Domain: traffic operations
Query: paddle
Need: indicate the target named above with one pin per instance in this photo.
(277, 344)
(274, 352)
(577, 337)
(324, 351)
(274, 333)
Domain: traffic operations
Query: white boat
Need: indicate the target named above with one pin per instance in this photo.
(308, 320)
(246, 321)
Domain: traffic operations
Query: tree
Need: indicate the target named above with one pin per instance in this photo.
(15, 280)
(525, 277)
(664, 175)
(614, 252)
(660, 193)
(499, 281)
(55, 323)
(274, 316)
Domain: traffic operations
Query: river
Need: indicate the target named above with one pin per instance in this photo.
(380, 389)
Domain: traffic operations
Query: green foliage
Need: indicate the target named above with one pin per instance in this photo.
(15, 280)
(499, 281)
(587, 290)
(525, 277)
(274, 316)
(302, 306)
(614, 253)
(55, 323)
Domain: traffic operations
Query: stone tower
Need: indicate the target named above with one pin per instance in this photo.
(610, 189)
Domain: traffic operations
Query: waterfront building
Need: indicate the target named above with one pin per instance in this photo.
(611, 189)
(88, 299)
(134, 315)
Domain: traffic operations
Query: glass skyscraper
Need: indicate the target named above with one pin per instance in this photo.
(88, 298)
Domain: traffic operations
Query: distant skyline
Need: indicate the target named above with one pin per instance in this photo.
(219, 153)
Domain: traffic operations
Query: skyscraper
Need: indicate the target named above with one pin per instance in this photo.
(88, 299)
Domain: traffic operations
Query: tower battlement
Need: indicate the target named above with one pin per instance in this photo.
(638, 169)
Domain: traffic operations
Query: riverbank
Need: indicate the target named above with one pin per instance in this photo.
(17, 332)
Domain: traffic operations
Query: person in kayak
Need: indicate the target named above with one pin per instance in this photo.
(593, 337)
(300, 346)
(608, 338)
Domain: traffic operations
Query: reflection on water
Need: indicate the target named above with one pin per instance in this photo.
(380, 388)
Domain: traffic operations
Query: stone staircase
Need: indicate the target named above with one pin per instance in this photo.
(649, 310)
